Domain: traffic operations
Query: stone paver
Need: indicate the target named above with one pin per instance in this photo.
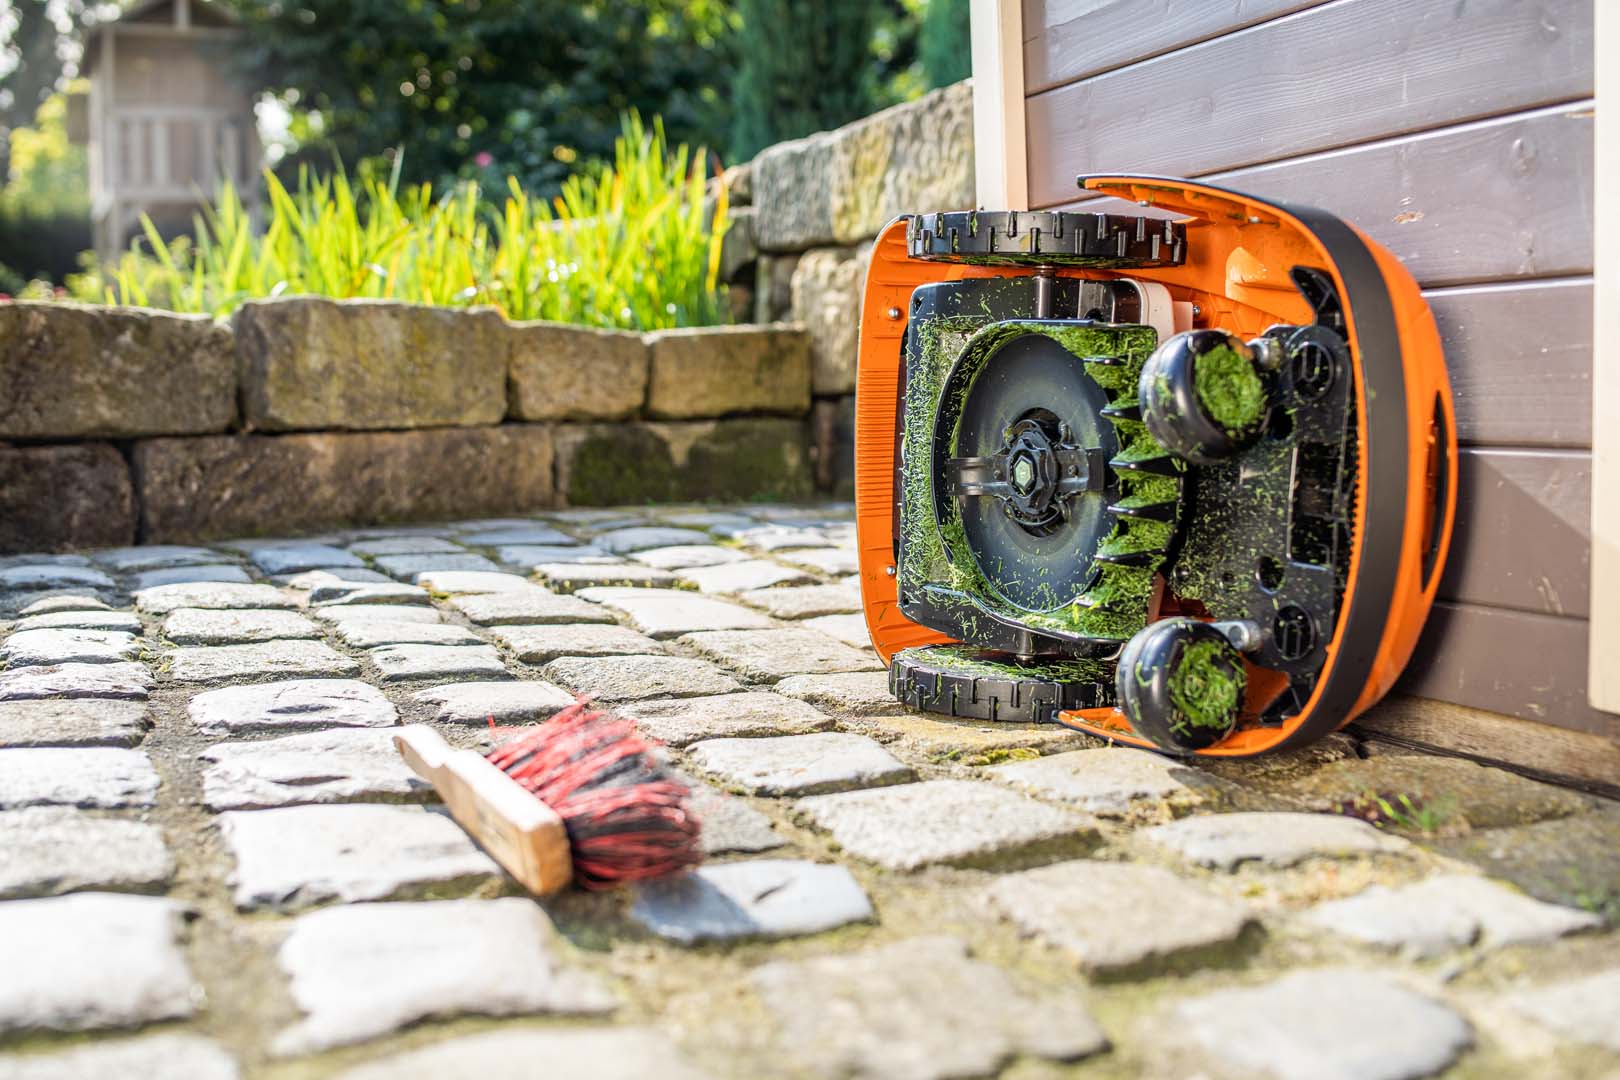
(51, 850)
(805, 601)
(852, 693)
(1294, 1028)
(850, 629)
(1109, 781)
(292, 558)
(48, 576)
(667, 613)
(363, 971)
(220, 663)
(1225, 841)
(1447, 912)
(201, 626)
(99, 777)
(829, 560)
(128, 681)
(800, 764)
(529, 606)
(920, 1008)
(121, 621)
(338, 766)
(340, 616)
(542, 644)
(524, 702)
(406, 567)
(406, 545)
(171, 1057)
(294, 705)
(634, 678)
(958, 822)
(573, 577)
(1586, 1010)
(128, 560)
(730, 824)
(374, 633)
(91, 961)
(624, 541)
(1113, 917)
(769, 898)
(599, 1052)
(310, 580)
(400, 662)
(44, 647)
(532, 534)
(966, 742)
(179, 575)
(755, 714)
(363, 593)
(473, 582)
(83, 722)
(687, 556)
(747, 576)
(529, 556)
(68, 601)
(769, 655)
(301, 855)
(163, 599)
(779, 537)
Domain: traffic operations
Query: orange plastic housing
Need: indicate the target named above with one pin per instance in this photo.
(1240, 250)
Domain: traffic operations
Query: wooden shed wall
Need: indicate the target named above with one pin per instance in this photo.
(1460, 137)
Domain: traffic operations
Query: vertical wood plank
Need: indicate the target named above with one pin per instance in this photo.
(1604, 679)
(1001, 176)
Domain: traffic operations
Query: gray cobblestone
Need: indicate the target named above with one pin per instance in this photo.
(1294, 1028)
(634, 678)
(84, 722)
(103, 778)
(1117, 916)
(524, 702)
(51, 850)
(407, 567)
(400, 662)
(293, 558)
(1108, 781)
(769, 655)
(163, 599)
(362, 971)
(530, 606)
(770, 898)
(800, 764)
(406, 545)
(687, 556)
(1225, 841)
(643, 538)
(310, 580)
(374, 633)
(730, 824)
(1586, 1010)
(338, 766)
(920, 1008)
(602, 1053)
(747, 576)
(340, 616)
(755, 714)
(573, 577)
(531, 534)
(665, 613)
(853, 693)
(805, 601)
(166, 1056)
(542, 644)
(58, 602)
(293, 705)
(529, 556)
(128, 681)
(849, 629)
(81, 620)
(52, 576)
(301, 855)
(128, 560)
(179, 575)
(364, 593)
(283, 659)
(92, 961)
(475, 582)
(44, 647)
(199, 626)
(830, 560)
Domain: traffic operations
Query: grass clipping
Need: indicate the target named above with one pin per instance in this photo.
(1229, 389)
(936, 552)
(1205, 687)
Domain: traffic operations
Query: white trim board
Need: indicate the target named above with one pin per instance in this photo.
(1000, 159)
(1603, 657)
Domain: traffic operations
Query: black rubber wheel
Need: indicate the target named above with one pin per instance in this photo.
(1180, 683)
(1180, 418)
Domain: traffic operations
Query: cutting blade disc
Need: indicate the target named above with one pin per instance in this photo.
(1033, 376)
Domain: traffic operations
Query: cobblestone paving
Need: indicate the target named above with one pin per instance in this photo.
(212, 864)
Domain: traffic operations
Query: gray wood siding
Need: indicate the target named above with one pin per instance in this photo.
(1459, 136)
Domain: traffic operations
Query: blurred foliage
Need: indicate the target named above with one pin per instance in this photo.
(483, 89)
(45, 203)
(32, 41)
(944, 48)
(632, 245)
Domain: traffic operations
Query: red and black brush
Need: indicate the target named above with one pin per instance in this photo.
(579, 798)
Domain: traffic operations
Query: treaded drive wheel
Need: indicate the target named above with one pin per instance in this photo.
(1046, 238)
(1180, 684)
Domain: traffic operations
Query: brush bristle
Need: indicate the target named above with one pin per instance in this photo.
(627, 817)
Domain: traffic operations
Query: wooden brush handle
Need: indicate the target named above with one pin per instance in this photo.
(522, 833)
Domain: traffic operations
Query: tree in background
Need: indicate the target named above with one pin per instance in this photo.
(943, 46)
(482, 88)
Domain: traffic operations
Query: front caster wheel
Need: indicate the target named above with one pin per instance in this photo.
(1202, 396)
(1180, 683)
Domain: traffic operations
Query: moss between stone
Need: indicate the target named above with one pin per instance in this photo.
(1229, 388)
(1204, 688)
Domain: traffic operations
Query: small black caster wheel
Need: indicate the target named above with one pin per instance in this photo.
(1180, 684)
(1202, 396)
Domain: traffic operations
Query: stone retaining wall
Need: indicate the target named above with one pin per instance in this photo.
(120, 425)
(804, 217)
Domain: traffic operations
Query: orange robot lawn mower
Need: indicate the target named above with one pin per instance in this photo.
(1185, 483)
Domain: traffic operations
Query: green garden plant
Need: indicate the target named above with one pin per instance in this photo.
(631, 245)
